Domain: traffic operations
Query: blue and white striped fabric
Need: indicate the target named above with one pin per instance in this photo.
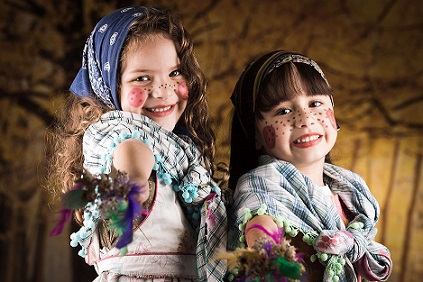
(278, 189)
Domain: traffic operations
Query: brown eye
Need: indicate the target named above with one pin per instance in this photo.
(315, 104)
(175, 73)
(142, 78)
(283, 111)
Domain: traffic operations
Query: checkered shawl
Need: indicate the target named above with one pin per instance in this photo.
(292, 198)
(177, 158)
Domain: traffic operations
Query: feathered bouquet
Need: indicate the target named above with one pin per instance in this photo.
(267, 260)
(112, 199)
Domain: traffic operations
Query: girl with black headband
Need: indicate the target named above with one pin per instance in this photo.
(283, 129)
(138, 123)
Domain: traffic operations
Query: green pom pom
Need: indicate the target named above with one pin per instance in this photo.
(341, 261)
(279, 222)
(335, 279)
(324, 257)
(261, 211)
(293, 233)
(355, 225)
(248, 216)
(331, 273)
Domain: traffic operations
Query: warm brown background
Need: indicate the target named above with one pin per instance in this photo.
(371, 52)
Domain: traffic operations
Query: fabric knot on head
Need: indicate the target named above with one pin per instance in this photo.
(101, 56)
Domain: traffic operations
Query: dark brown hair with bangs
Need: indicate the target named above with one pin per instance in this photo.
(284, 83)
(288, 81)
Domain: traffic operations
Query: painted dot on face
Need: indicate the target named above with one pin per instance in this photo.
(331, 116)
(136, 97)
(148, 90)
(269, 136)
(182, 90)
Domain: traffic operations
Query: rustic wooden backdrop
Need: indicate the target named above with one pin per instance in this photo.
(371, 52)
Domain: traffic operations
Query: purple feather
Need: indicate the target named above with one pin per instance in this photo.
(133, 209)
(65, 217)
(276, 236)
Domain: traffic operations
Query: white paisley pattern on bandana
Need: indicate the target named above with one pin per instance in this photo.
(90, 80)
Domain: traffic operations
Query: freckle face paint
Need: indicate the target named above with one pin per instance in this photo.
(269, 136)
(136, 97)
(331, 117)
(182, 90)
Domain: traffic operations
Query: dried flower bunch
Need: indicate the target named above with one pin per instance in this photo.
(265, 261)
(106, 198)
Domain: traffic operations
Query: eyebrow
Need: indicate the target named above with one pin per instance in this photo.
(177, 67)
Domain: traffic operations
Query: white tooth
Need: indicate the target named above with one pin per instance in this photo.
(307, 139)
(156, 110)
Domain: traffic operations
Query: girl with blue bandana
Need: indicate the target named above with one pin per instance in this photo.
(139, 107)
(283, 129)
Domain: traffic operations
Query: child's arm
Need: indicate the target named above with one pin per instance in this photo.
(135, 158)
(252, 233)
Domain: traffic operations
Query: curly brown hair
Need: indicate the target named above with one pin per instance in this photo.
(65, 137)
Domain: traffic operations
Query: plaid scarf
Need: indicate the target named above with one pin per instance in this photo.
(179, 164)
(278, 189)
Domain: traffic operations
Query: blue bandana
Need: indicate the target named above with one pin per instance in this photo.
(100, 59)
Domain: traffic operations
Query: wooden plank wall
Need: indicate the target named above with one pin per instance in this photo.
(369, 50)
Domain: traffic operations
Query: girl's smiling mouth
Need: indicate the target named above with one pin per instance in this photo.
(161, 111)
(308, 140)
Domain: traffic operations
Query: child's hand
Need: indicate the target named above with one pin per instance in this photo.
(334, 242)
(144, 193)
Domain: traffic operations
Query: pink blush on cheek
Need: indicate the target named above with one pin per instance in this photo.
(331, 116)
(182, 90)
(136, 97)
(269, 136)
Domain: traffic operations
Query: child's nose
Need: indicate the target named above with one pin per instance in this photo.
(304, 118)
(162, 91)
